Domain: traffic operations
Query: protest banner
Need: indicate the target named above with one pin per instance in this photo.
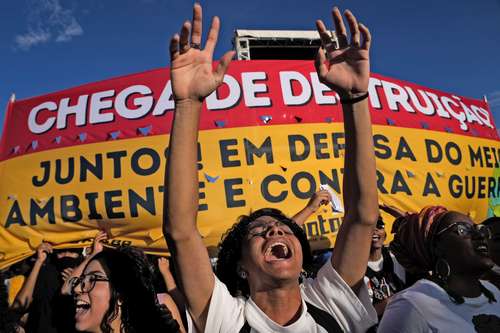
(93, 157)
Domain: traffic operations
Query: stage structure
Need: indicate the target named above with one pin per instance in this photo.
(277, 44)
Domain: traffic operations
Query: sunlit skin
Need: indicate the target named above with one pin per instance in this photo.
(89, 320)
(466, 256)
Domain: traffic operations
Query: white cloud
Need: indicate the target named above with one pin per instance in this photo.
(47, 21)
(26, 41)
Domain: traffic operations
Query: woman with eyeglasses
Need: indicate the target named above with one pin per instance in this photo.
(115, 294)
(450, 253)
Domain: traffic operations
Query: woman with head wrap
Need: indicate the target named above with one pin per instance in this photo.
(450, 253)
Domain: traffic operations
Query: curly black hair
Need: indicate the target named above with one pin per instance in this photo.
(231, 245)
(131, 282)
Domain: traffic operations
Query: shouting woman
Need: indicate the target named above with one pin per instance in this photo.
(258, 287)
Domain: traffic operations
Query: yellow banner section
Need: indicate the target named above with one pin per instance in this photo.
(62, 196)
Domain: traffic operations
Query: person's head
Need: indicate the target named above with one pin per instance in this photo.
(115, 293)
(262, 250)
(66, 258)
(442, 242)
(494, 243)
(379, 235)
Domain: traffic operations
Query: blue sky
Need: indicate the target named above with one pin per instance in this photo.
(49, 45)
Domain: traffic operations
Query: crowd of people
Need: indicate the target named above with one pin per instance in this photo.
(441, 273)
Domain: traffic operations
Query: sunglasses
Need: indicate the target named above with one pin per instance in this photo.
(465, 230)
(86, 282)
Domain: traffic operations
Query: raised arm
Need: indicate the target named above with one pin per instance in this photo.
(193, 78)
(24, 297)
(174, 300)
(347, 71)
(392, 210)
(319, 198)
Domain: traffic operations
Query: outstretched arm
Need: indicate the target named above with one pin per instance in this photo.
(193, 78)
(25, 296)
(319, 198)
(393, 210)
(347, 71)
(175, 300)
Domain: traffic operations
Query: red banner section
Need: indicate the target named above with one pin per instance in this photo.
(254, 93)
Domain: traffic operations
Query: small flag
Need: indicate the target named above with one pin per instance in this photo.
(220, 123)
(266, 118)
(114, 135)
(145, 130)
(211, 179)
(82, 137)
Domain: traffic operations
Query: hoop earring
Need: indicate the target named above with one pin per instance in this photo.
(302, 276)
(243, 274)
(443, 276)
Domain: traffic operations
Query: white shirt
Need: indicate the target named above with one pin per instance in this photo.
(426, 307)
(354, 313)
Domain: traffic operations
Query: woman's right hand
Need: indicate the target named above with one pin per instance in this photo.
(43, 251)
(97, 244)
(191, 72)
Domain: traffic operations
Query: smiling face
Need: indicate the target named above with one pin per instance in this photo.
(463, 246)
(271, 254)
(92, 303)
(378, 238)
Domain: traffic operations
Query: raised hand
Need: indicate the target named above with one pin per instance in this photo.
(43, 251)
(319, 198)
(345, 69)
(191, 72)
(163, 266)
(97, 243)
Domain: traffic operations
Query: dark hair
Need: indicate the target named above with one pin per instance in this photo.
(131, 282)
(231, 245)
(491, 220)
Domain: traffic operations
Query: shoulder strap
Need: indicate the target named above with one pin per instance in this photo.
(324, 319)
(321, 317)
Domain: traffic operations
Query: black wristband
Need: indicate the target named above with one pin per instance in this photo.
(354, 99)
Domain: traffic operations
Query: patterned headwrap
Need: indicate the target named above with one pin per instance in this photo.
(414, 238)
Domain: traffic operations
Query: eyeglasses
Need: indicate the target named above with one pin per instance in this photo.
(86, 282)
(259, 229)
(464, 229)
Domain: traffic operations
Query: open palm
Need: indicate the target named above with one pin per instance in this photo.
(348, 68)
(192, 75)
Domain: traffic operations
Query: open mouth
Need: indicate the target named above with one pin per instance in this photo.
(481, 249)
(375, 238)
(81, 307)
(277, 251)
